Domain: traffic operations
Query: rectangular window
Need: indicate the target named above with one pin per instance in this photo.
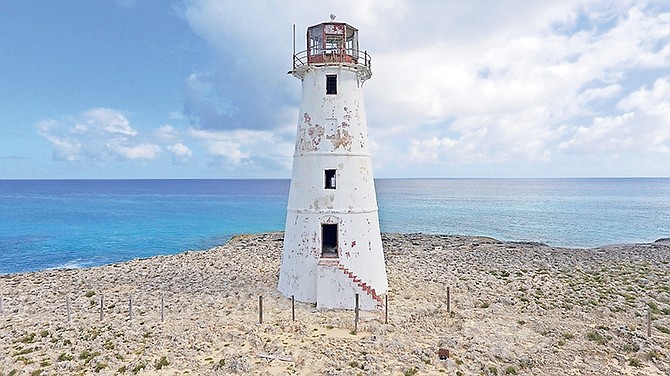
(330, 179)
(328, 240)
(331, 84)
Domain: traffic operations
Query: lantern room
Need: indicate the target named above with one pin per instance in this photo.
(332, 42)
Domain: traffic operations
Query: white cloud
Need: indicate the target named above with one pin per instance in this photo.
(166, 133)
(98, 135)
(180, 153)
(641, 129)
(610, 134)
(243, 147)
(106, 119)
(141, 151)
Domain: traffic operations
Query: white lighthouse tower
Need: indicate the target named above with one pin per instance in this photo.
(332, 245)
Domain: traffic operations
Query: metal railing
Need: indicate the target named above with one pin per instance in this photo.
(335, 55)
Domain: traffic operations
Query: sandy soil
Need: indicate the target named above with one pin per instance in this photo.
(516, 308)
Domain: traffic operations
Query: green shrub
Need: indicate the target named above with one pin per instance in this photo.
(411, 372)
(138, 367)
(662, 329)
(162, 362)
(653, 354)
(100, 367)
(28, 338)
(568, 335)
(596, 337)
(64, 356)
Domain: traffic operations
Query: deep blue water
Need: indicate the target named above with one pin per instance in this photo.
(74, 223)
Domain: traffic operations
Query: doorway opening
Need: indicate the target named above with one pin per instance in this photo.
(328, 240)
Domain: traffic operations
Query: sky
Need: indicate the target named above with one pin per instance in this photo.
(199, 88)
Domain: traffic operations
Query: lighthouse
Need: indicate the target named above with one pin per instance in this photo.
(332, 242)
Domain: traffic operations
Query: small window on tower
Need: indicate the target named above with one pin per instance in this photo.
(330, 179)
(331, 84)
(328, 240)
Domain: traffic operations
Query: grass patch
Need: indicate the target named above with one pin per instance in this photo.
(662, 329)
(597, 338)
(64, 357)
(411, 372)
(28, 338)
(654, 308)
(162, 362)
(654, 355)
(25, 351)
(138, 367)
(87, 356)
(100, 367)
(220, 364)
(628, 348)
(23, 359)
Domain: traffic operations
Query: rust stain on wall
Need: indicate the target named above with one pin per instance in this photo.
(310, 136)
(342, 138)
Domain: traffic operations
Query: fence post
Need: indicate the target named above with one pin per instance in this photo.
(162, 306)
(102, 304)
(293, 307)
(356, 316)
(649, 322)
(68, 309)
(260, 309)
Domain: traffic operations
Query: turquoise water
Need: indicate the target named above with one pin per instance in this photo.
(75, 223)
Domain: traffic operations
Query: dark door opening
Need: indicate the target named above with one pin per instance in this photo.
(328, 240)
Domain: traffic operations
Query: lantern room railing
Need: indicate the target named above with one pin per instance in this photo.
(335, 55)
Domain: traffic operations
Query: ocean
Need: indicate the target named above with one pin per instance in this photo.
(47, 224)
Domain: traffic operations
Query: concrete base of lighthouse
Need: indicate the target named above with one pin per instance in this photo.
(336, 288)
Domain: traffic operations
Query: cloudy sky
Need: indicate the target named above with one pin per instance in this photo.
(198, 89)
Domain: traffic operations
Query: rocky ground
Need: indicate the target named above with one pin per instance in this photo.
(516, 308)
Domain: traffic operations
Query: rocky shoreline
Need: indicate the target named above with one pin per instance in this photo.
(515, 308)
